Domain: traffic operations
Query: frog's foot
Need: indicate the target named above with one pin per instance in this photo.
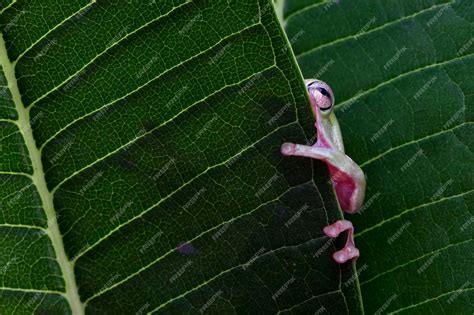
(349, 251)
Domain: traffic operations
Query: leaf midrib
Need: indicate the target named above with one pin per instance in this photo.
(71, 293)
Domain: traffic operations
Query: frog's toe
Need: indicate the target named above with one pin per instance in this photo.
(338, 227)
(288, 148)
(347, 253)
(331, 231)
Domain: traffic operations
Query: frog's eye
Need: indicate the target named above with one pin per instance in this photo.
(321, 95)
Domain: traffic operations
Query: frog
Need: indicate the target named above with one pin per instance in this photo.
(347, 178)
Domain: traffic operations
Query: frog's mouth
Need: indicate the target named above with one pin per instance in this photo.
(325, 108)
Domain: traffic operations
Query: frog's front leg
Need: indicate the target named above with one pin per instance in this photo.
(314, 152)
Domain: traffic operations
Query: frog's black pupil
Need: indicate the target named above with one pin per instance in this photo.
(323, 91)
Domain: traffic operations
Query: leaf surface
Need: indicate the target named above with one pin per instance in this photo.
(140, 169)
(402, 76)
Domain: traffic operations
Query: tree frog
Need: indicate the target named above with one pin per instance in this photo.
(347, 177)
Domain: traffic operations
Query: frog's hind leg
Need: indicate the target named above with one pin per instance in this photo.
(349, 251)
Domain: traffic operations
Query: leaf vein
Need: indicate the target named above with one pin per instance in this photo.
(144, 85)
(308, 7)
(174, 192)
(52, 30)
(222, 273)
(8, 6)
(150, 131)
(433, 65)
(22, 226)
(189, 241)
(395, 148)
(431, 300)
(410, 210)
(415, 259)
(375, 29)
(32, 291)
(311, 298)
(15, 174)
(105, 51)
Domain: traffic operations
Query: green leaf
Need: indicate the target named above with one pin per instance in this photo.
(140, 168)
(402, 75)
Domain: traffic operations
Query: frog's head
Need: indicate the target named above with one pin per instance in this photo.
(321, 97)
